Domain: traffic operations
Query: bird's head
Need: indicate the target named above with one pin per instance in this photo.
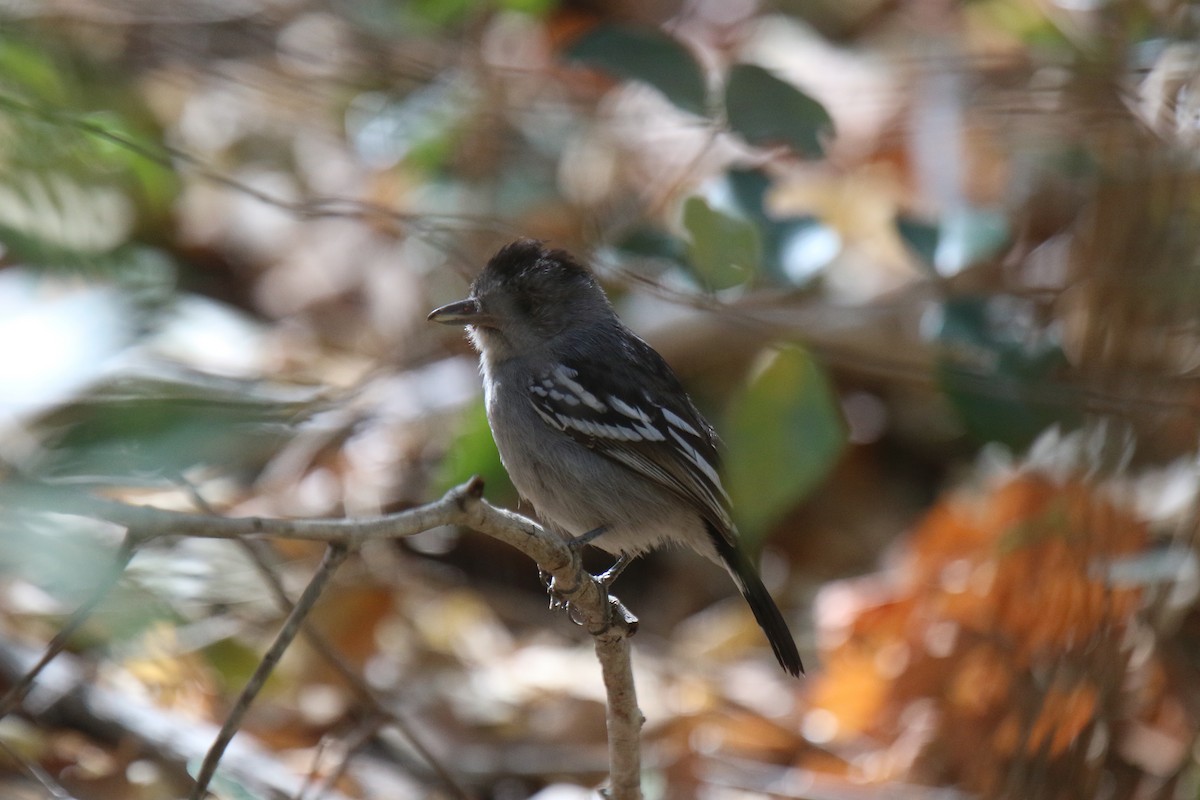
(526, 297)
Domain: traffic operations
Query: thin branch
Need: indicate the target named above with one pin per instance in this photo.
(367, 732)
(334, 557)
(323, 647)
(146, 522)
(463, 505)
(260, 554)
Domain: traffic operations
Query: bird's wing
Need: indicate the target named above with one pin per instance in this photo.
(632, 410)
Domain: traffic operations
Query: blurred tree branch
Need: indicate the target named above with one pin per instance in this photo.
(602, 616)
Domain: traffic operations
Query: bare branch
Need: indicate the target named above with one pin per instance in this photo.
(603, 617)
(334, 557)
(258, 553)
(261, 554)
(624, 719)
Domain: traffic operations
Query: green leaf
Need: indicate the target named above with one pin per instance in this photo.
(233, 660)
(648, 56)
(535, 8)
(474, 453)
(77, 148)
(725, 250)
(795, 249)
(65, 556)
(138, 427)
(962, 238)
(24, 66)
(442, 13)
(647, 241)
(921, 238)
(996, 371)
(768, 111)
(784, 433)
(967, 237)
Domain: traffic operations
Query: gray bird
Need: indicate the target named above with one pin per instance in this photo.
(593, 426)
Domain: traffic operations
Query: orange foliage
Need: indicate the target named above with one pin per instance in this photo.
(1001, 615)
(1022, 564)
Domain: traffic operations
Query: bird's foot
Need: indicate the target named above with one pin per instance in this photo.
(587, 538)
(557, 600)
(609, 575)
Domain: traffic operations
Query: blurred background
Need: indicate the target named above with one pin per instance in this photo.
(931, 268)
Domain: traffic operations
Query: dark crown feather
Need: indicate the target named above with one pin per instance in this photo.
(524, 256)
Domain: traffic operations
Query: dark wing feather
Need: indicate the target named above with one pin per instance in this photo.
(632, 409)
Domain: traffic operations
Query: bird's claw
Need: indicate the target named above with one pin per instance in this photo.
(609, 575)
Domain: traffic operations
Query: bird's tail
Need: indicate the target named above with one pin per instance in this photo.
(765, 611)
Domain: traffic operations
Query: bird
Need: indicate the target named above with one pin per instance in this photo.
(594, 428)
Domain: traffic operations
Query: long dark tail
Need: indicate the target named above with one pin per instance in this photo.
(765, 611)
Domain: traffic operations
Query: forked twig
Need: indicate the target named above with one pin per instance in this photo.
(604, 617)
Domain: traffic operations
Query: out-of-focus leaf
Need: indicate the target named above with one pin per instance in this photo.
(963, 238)
(474, 453)
(795, 249)
(784, 433)
(648, 242)
(24, 65)
(138, 428)
(967, 237)
(537, 8)
(921, 238)
(233, 660)
(442, 13)
(56, 217)
(127, 614)
(648, 56)
(64, 556)
(725, 250)
(995, 367)
(420, 129)
(117, 141)
(193, 576)
(79, 154)
(768, 111)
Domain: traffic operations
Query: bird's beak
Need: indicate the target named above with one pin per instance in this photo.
(463, 312)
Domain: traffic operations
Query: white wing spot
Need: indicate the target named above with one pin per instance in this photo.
(679, 422)
(694, 456)
(549, 420)
(628, 410)
(566, 380)
(622, 433)
(650, 433)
